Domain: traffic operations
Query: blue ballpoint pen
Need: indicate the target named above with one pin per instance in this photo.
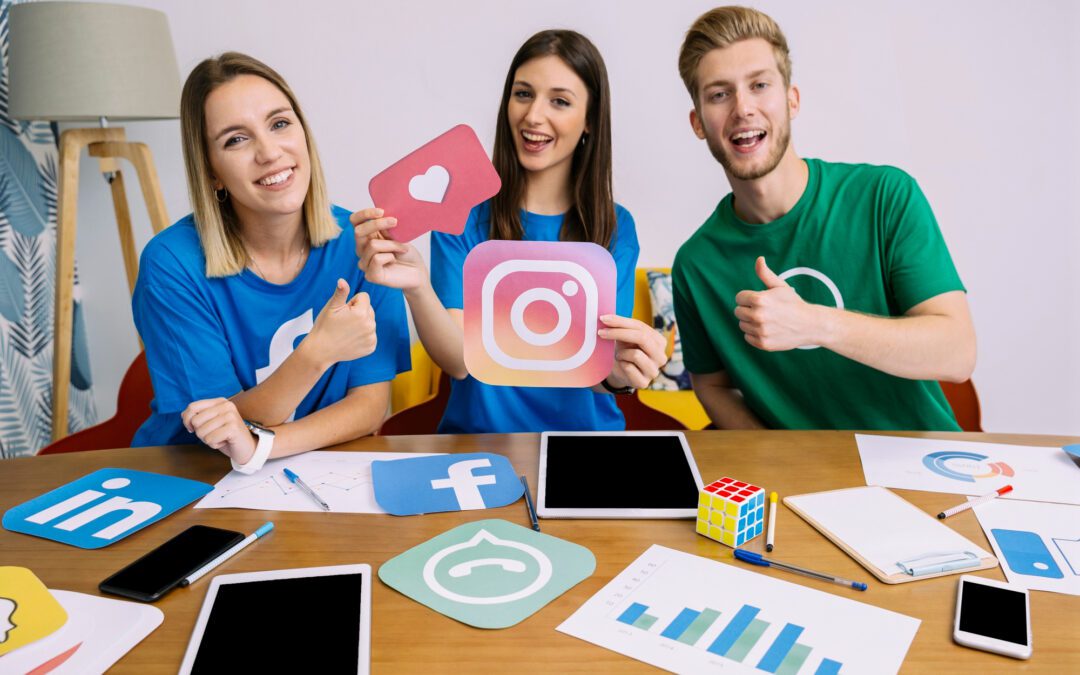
(298, 482)
(758, 559)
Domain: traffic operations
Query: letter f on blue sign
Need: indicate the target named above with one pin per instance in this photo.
(480, 480)
(465, 484)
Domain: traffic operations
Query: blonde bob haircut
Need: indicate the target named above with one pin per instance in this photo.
(722, 27)
(216, 222)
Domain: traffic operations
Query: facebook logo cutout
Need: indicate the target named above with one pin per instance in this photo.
(479, 480)
(103, 507)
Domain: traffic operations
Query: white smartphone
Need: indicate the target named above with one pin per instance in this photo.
(993, 616)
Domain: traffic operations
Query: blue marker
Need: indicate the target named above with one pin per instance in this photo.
(209, 567)
(298, 482)
(758, 559)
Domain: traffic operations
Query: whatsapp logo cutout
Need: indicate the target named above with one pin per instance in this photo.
(468, 567)
(490, 573)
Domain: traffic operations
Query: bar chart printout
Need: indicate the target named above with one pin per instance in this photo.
(686, 613)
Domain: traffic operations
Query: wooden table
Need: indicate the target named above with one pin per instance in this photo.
(408, 637)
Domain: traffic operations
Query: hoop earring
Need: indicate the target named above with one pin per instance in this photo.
(221, 195)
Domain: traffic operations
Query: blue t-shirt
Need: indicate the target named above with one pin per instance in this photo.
(475, 407)
(208, 338)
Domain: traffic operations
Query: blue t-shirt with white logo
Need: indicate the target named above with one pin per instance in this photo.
(208, 338)
(475, 407)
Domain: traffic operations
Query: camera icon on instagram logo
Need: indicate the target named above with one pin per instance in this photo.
(531, 312)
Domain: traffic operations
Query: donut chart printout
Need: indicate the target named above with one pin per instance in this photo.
(1041, 474)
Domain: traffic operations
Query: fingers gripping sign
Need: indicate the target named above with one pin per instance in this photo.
(776, 319)
(640, 351)
(384, 261)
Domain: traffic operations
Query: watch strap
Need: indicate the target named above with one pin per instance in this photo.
(618, 391)
(262, 450)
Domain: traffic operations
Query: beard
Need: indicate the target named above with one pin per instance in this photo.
(741, 171)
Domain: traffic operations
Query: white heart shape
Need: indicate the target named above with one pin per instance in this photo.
(431, 185)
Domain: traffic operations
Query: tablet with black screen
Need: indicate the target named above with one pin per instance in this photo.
(282, 621)
(644, 474)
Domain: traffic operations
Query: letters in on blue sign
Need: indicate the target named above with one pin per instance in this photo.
(481, 480)
(103, 507)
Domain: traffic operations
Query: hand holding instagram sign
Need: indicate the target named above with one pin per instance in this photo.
(435, 186)
(532, 310)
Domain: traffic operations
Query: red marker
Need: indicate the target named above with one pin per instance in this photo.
(975, 502)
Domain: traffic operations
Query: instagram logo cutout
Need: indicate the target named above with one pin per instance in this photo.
(532, 310)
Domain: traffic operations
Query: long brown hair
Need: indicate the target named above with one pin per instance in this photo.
(592, 212)
(216, 221)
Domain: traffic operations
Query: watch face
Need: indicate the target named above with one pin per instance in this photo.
(258, 429)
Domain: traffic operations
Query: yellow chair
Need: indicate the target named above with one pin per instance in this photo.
(417, 385)
(682, 405)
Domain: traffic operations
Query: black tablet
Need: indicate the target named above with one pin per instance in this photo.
(316, 619)
(644, 474)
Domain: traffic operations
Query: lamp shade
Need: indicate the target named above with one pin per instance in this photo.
(72, 61)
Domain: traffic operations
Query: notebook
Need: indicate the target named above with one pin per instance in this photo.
(891, 537)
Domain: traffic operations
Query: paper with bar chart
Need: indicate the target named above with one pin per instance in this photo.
(342, 479)
(685, 613)
(1038, 474)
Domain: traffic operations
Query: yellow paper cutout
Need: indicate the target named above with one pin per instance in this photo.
(28, 611)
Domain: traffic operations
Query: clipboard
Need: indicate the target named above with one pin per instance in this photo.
(889, 536)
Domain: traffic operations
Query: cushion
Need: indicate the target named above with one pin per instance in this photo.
(673, 376)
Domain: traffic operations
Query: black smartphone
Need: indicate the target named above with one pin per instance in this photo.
(160, 570)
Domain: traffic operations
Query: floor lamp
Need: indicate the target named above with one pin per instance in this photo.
(76, 61)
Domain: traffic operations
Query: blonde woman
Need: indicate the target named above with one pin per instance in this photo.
(262, 336)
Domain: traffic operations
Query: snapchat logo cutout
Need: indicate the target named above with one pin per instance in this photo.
(28, 611)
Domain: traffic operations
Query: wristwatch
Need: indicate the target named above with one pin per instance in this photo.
(265, 438)
(617, 390)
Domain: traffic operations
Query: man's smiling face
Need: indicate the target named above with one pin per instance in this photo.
(744, 108)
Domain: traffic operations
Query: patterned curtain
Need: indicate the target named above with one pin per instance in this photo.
(28, 197)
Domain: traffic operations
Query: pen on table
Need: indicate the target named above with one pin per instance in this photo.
(240, 546)
(758, 559)
(771, 536)
(529, 505)
(306, 488)
(974, 502)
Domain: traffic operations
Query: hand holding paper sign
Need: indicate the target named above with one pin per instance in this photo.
(640, 351)
(434, 187)
(385, 261)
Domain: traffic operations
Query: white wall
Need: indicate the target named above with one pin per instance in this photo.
(978, 100)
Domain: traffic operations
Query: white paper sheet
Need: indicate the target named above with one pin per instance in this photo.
(883, 527)
(745, 616)
(963, 467)
(98, 632)
(342, 479)
(1038, 544)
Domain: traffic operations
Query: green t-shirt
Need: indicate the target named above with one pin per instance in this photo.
(861, 237)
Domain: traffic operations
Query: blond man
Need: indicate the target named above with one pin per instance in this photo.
(817, 295)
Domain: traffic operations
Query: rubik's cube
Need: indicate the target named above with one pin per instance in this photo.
(730, 511)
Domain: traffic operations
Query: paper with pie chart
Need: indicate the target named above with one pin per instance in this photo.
(435, 186)
(1041, 474)
(99, 631)
(1037, 543)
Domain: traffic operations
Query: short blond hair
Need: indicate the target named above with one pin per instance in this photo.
(722, 27)
(215, 221)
